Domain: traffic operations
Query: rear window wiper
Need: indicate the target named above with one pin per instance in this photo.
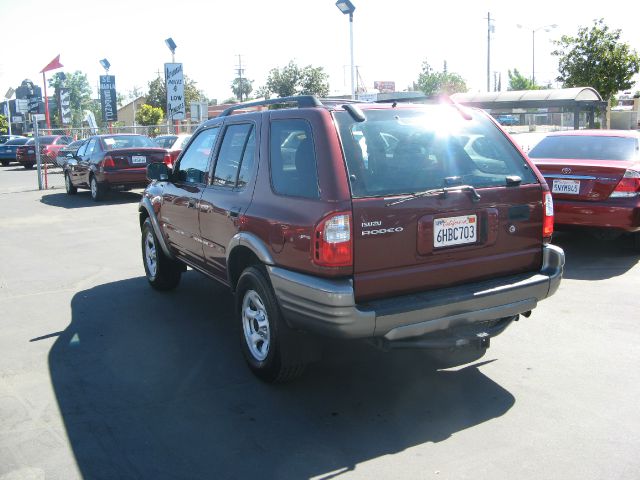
(475, 196)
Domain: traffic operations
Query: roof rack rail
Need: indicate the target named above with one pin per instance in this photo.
(301, 101)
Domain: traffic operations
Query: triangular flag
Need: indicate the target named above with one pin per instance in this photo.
(55, 63)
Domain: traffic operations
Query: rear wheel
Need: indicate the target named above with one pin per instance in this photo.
(98, 190)
(71, 190)
(636, 241)
(27, 166)
(268, 344)
(5, 163)
(162, 272)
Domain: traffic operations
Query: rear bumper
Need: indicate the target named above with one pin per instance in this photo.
(131, 178)
(328, 307)
(619, 213)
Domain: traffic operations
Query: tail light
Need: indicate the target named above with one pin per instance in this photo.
(168, 160)
(333, 244)
(547, 217)
(628, 186)
(108, 162)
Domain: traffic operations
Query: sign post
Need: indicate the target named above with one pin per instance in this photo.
(174, 79)
(8, 96)
(37, 145)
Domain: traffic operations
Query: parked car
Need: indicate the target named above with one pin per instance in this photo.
(174, 144)
(67, 152)
(5, 138)
(106, 162)
(49, 147)
(595, 179)
(508, 120)
(9, 148)
(378, 226)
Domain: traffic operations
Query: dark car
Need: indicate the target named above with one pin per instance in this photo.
(8, 150)
(174, 144)
(360, 221)
(595, 179)
(107, 162)
(49, 147)
(67, 152)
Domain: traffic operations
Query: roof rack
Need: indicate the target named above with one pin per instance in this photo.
(301, 101)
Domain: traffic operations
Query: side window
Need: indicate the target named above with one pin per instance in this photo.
(293, 160)
(83, 148)
(232, 152)
(247, 160)
(90, 147)
(194, 164)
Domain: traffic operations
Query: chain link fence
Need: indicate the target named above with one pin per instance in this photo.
(150, 131)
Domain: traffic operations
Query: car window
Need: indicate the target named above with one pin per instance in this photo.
(293, 159)
(90, 147)
(595, 147)
(184, 142)
(17, 141)
(194, 163)
(165, 141)
(232, 150)
(127, 141)
(407, 151)
(83, 148)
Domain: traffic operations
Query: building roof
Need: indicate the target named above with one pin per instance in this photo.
(561, 97)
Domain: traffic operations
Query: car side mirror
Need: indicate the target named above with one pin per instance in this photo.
(158, 171)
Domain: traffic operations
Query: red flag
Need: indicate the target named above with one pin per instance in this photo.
(53, 64)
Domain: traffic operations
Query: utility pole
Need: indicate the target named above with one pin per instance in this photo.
(239, 70)
(489, 51)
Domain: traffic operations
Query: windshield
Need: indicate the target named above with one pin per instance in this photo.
(127, 141)
(586, 147)
(165, 142)
(408, 151)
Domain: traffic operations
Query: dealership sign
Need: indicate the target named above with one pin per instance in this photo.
(175, 90)
(65, 106)
(384, 87)
(108, 100)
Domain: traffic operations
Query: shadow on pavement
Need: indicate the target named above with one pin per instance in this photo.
(83, 199)
(154, 385)
(590, 258)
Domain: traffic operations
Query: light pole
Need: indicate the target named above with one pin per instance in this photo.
(346, 7)
(172, 46)
(546, 28)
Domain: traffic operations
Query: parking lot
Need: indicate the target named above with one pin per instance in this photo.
(102, 377)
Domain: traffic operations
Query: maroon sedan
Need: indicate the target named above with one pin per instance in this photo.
(108, 162)
(594, 177)
(49, 147)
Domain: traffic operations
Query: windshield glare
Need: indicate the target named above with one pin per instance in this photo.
(407, 151)
(586, 147)
(127, 141)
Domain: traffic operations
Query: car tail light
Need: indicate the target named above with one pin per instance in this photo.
(168, 160)
(547, 217)
(333, 244)
(628, 186)
(108, 162)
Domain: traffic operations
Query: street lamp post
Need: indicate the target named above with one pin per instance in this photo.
(346, 7)
(8, 96)
(546, 28)
(172, 46)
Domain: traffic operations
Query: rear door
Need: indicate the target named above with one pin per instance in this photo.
(481, 217)
(584, 167)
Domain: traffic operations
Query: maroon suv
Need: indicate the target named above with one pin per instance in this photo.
(411, 226)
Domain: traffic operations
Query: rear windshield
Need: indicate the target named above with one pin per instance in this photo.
(586, 147)
(17, 141)
(165, 142)
(407, 151)
(127, 141)
(47, 140)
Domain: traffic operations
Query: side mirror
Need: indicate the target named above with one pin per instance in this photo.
(157, 171)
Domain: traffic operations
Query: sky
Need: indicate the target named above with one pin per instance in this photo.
(391, 39)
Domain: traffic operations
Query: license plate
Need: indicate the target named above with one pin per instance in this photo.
(455, 231)
(138, 159)
(571, 187)
(31, 151)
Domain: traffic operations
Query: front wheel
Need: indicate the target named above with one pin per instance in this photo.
(71, 190)
(27, 166)
(269, 346)
(162, 272)
(5, 163)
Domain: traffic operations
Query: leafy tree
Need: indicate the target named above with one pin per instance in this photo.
(433, 83)
(241, 88)
(293, 80)
(4, 124)
(79, 94)
(157, 95)
(149, 115)
(517, 81)
(596, 58)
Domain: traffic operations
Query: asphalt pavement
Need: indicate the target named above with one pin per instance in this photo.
(103, 378)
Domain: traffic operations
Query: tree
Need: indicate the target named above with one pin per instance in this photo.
(157, 95)
(79, 94)
(517, 81)
(241, 88)
(293, 80)
(434, 83)
(4, 124)
(149, 115)
(596, 58)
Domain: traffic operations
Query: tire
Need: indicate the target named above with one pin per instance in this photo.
(636, 241)
(71, 190)
(269, 346)
(5, 163)
(27, 166)
(98, 190)
(162, 272)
